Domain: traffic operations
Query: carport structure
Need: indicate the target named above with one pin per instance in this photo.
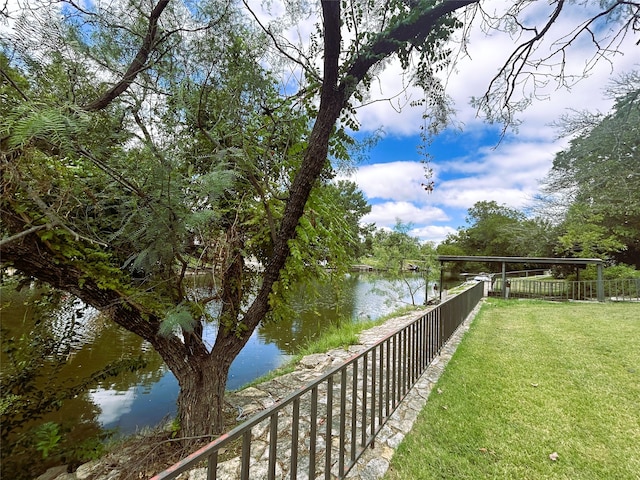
(531, 260)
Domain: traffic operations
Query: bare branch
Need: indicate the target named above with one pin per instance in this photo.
(513, 67)
(499, 96)
(14, 85)
(24, 233)
(306, 65)
(386, 43)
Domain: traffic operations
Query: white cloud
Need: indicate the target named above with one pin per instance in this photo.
(486, 54)
(394, 180)
(432, 233)
(511, 177)
(113, 404)
(465, 193)
(386, 214)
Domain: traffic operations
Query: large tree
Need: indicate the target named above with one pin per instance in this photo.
(140, 138)
(597, 178)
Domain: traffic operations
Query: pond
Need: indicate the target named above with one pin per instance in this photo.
(136, 398)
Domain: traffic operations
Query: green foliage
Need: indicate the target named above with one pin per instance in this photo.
(352, 204)
(392, 251)
(334, 336)
(32, 122)
(47, 437)
(596, 178)
(497, 230)
(174, 428)
(492, 229)
(177, 319)
(586, 236)
(407, 263)
(612, 272)
(326, 242)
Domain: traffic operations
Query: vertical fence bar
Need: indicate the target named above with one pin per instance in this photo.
(212, 466)
(394, 366)
(442, 316)
(388, 382)
(434, 334)
(273, 444)
(412, 353)
(405, 359)
(343, 420)
(429, 335)
(328, 427)
(416, 350)
(380, 383)
(295, 428)
(354, 412)
(246, 455)
(365, 374)
(420, 346)
(373, 395)
(400, 364)
(314, 432)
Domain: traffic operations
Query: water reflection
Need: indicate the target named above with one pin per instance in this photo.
(133, 400)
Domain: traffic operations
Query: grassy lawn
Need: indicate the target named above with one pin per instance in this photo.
(531, 380)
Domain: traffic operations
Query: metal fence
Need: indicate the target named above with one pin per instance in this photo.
(614, 290)
(321, 430)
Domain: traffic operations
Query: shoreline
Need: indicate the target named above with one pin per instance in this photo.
(242, 404)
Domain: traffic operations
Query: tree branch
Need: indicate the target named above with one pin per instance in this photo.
(14, 85)
(500, 92)
(386, 43)
(18, 236)
(137, 65)
(306, 67)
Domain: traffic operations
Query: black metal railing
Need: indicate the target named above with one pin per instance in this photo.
(614, 290)
(321, 430)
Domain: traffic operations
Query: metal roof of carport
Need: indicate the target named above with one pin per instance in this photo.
(536, 260)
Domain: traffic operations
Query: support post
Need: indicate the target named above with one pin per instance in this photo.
(504, 280)
(441, 280)
(600, 283)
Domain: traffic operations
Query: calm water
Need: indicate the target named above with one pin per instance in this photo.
(133, 400)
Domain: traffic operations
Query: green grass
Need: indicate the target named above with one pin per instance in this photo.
(529, 379)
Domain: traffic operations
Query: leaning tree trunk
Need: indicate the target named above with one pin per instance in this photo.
(201, 398)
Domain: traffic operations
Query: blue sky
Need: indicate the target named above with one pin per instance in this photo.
(470, 163)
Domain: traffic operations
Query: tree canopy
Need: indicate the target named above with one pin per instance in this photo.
(498, 230)
(597, 179)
